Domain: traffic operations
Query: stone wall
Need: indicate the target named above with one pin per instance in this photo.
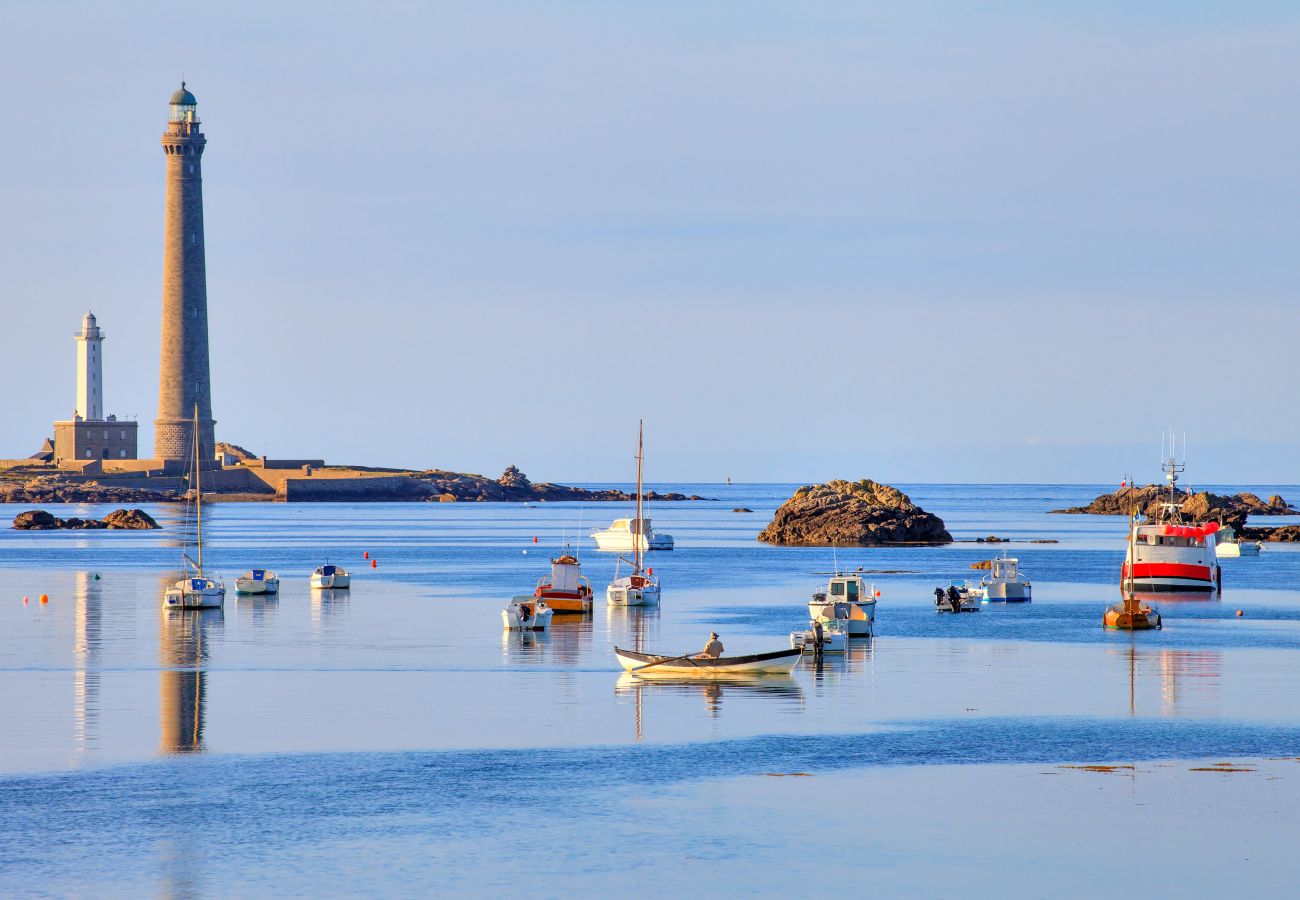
(397, 487)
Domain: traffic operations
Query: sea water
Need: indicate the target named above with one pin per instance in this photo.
(393, 739)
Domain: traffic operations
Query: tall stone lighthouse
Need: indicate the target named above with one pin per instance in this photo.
(184, 380)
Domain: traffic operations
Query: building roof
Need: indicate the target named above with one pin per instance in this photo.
(183, 97)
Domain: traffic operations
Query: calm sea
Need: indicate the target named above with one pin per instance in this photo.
(393, 740)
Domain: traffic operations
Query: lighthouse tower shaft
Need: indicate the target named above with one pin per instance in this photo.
(90, 370)
(184, 381)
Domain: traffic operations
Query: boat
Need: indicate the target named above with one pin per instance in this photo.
(1132, 614)
(1165, 554)
(1226, 543)
(639, 587)
(257, 581)
(834, 638)
(527, 613)
(779, 662)
(1004, 583)
(625, 535)
(959, 598)
(194, 589)
(330, 577)
(566, 590)
(847, 601)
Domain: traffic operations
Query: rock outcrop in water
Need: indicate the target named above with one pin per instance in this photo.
(847, 513)
(1281, 534)
(52, 489)
(1202, 506)
(514, 486)
(40, 520)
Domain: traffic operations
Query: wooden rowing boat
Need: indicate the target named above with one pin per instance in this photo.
(780, 662)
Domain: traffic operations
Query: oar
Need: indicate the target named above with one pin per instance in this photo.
(662, 661)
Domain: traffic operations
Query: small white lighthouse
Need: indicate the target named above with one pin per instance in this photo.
(90, 370)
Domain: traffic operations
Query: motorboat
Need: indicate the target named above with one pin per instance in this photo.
(626, 535)
(194, 589)
(639, 587)
(848, 602)
(1166, 554)
(779, 662)
(330, 577)
(1004, 583)
(527, 613)
(257, 581)
(1226, 543)
(834, 639)
(959, 598)
(566, 589)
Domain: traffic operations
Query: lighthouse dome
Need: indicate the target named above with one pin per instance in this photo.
(88, 320)
(183, 97)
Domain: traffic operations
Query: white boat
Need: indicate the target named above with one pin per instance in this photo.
(959, 598)
(195, 590)
(1165, 554)
(848, 602)
(331, 577)
(1004, 583)
(780, 662)
(834, 638)
(567, 590)
(257, 581)
(627, 535)
(1226, 543)
(639, 587)
(527, 613)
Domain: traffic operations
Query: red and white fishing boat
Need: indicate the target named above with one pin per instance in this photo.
(1167, 554)
(567, 590)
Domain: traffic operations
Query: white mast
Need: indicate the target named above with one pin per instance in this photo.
(640, 522)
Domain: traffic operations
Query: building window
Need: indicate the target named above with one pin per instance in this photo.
(124, 438)
(123, 452)
(87, 453)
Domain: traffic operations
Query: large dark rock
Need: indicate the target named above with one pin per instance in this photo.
(1280, 534)
(136, 519)
(862, 514)
(1200, 507)
(35, 520)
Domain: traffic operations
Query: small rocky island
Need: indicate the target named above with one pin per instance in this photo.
(853, 514)
(1202, 506)
(118, 519)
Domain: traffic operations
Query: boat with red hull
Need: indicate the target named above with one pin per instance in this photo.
(1167, 554)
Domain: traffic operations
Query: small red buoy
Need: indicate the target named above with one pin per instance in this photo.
(24, 601)
(374, 564)
(45, 598)
(534, 539)
(366, 555)
(1240, 613)
(649, 571)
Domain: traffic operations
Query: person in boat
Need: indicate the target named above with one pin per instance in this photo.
(938, 596)
(713, 649)
(818, 636)
(954, 598)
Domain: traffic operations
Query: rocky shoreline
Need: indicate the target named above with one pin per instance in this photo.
(118, 519)
(853, 514)
(1202, 506)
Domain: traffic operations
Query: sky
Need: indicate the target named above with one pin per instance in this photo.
(916, 242)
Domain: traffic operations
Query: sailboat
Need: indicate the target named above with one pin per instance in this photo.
(1131, 614)
(195, 590)
(640, 588)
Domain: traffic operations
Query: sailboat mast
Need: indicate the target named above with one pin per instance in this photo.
(640, 521)
(198, 491)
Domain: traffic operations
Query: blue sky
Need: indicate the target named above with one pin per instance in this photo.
(804, 240)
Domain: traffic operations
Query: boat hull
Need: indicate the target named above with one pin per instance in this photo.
(618, 595)
(1008, 592)
(176, 598)
(526, 614)
(1181, 577)
(567, 605)
(1235, 549)
(806, 641)
(623, 542)
(248, 586)
(781, 662)
(331, 582)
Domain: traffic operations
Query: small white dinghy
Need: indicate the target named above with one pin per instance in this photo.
(331, 577)
(258, 581)
(834, 638)
(1004, 583)
(1227, 544)
(959, 598)
(527, 613)
(646, 665)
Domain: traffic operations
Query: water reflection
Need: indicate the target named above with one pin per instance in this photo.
(327, 604)
(570, 638)
(86, 642)
(184, 638)
(524, 646)
(258, 610)
(830, 668)
(711, 690)
(632, 627)
(1188, 681)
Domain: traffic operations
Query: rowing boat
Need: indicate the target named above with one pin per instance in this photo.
(780, 662)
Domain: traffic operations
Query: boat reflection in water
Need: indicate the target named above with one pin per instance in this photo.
(257, 609)
(524, 646)
(632, 626)
(85, 654)
(829, 668)
(326, 604)
(712, 690)
(184, 638)
(1188, 680)
(570, 639)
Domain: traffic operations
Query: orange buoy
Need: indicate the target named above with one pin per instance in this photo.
(45, 598)
(649, 571)
(374, 564)
(24, 601)
(534, 539)
(366, 555)
(1240, 613)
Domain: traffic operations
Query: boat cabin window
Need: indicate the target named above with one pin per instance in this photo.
(853, 590)
(837, 589)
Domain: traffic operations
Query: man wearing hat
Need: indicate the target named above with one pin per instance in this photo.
(713, 649)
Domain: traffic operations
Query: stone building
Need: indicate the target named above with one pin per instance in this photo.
(184, 385)
(89, 434)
